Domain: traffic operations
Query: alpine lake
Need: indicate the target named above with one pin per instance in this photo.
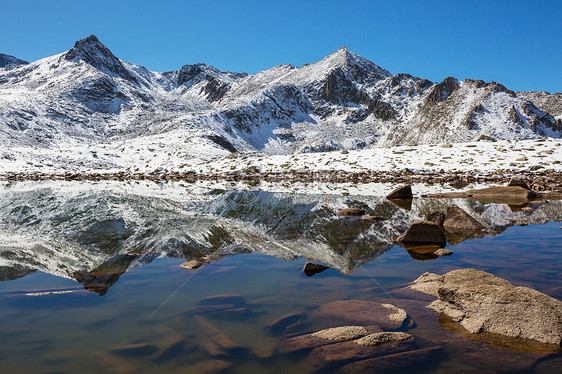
(91, 280)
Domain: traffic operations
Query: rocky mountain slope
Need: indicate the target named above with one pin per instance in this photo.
(547, 102)
(88, 96)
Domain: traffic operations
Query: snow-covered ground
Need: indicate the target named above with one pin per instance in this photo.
(481, 156)
(166, 153)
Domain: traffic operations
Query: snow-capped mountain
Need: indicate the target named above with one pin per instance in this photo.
(9, 62)
(88, 96)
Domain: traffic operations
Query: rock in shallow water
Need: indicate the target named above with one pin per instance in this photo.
(422, 232)
(481, 301)
(403, 192)
(310, 269)
(342, 333)
(384, 337)
(351, 212)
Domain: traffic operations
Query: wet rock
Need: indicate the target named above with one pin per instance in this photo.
(310, 269)
(397, 362)
(361, 312)
(191, 265)
(323, 337)
(404, 192)
(351, 212)
(469, 353)
(342, 333)
(279, 325)
(343, 352)
(215, 335)
(228, 298)
(422, 232)
(384, 337)
(443, 252)
(210, 367)
(134, 350)
(436, 217)
(516, 182)
(481, 301)
(457, 220)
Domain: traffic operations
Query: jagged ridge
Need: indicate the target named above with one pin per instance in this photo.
(87, 95)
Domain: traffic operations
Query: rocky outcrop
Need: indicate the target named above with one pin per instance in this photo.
(404, 192)
(481, 301)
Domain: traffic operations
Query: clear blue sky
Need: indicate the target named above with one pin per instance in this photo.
(517, 43)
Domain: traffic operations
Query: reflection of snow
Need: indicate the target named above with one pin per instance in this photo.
(68, 228)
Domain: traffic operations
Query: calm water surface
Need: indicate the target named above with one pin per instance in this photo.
(123, 304)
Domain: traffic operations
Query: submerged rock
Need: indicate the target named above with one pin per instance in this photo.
(404, 192)
(342, 333)
(279, 325)
(384, 337)
(481, 301)
(392, 363)
(361, 312)
(135, 350)
(423, 232)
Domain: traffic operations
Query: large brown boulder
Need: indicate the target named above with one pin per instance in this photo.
(514, 182)
(422, 233)
(404, 192)
(457, 220)
(481, 301)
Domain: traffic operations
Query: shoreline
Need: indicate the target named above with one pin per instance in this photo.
(547, 182)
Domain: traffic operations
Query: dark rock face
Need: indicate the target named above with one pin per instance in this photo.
(457, 220)
(93, 52)
(222, 142)
(443, 90)
(423, 233)
(10, 62)
(404, 192)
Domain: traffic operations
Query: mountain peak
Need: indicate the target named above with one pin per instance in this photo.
(96, 54)
(10, 62)
(346, 59)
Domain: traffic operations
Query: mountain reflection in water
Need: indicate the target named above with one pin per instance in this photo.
(95, 232)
